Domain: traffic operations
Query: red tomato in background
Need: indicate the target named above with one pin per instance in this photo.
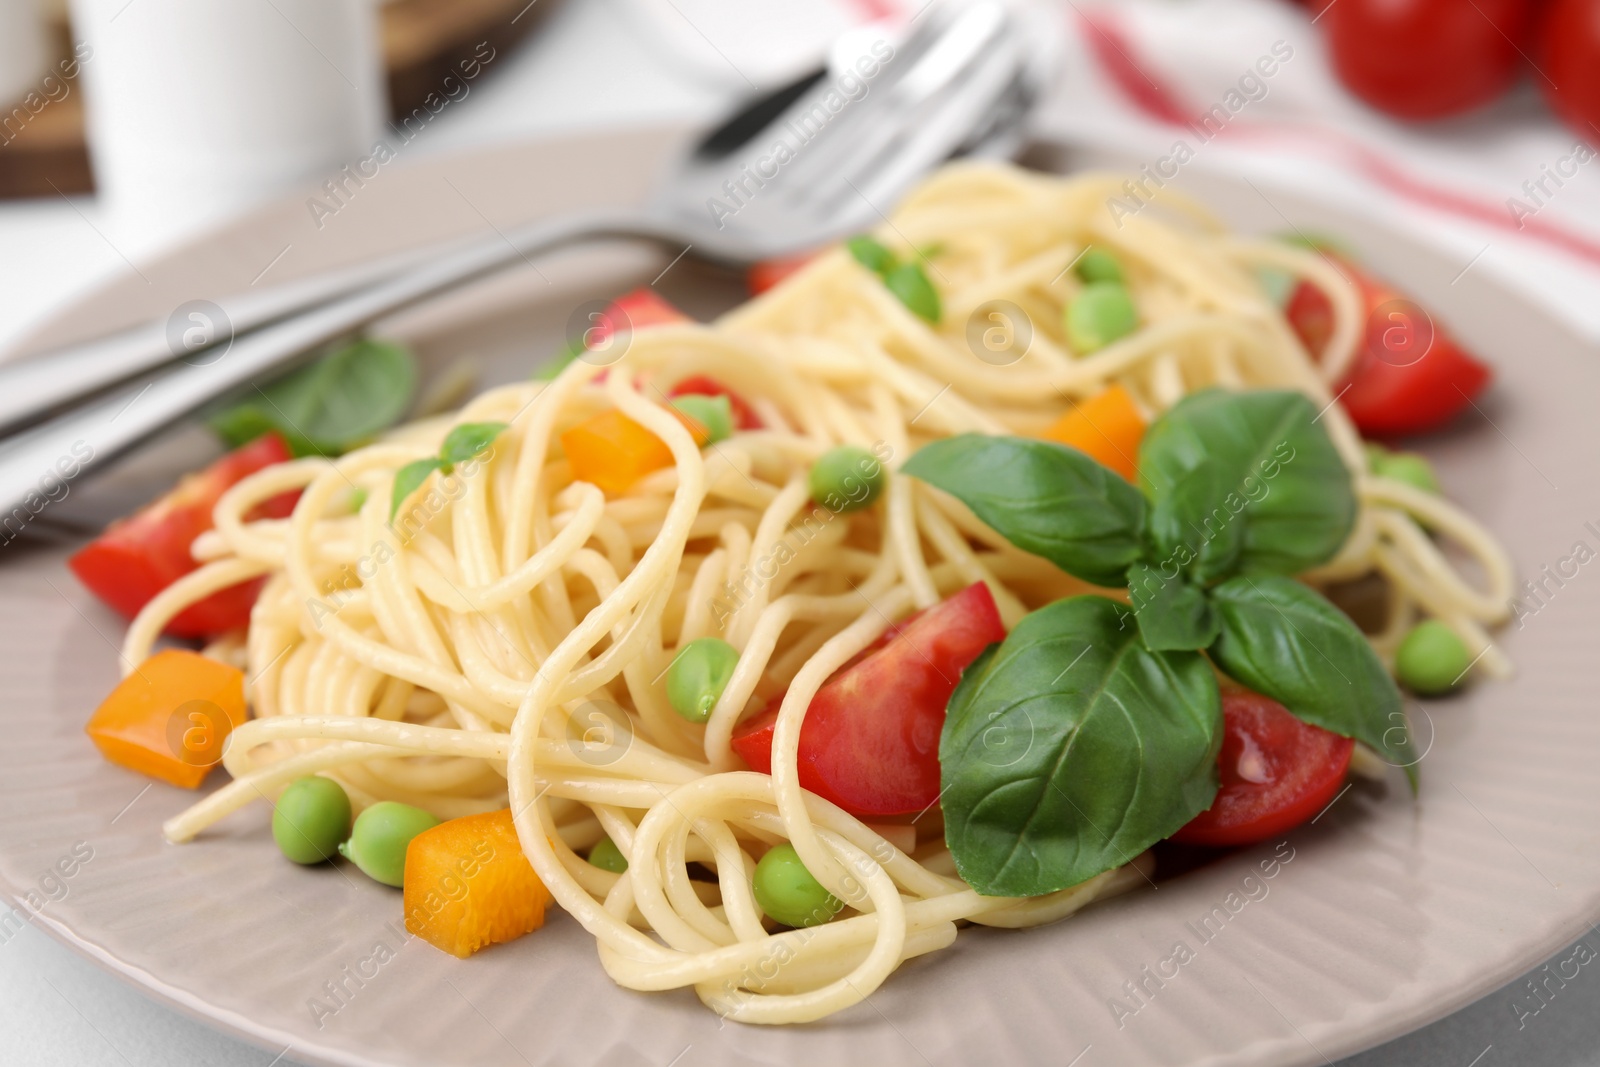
(139, 556)
(870, 740)
(765, 275)
(1276, 770)
(1569, 64)
(1426, 59)
(1409, 374)
(633, 311)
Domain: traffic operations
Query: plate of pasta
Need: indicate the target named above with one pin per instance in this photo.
(1033, 630)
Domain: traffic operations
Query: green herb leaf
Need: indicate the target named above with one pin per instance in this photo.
(1070, 748)
(333, 405)
(910, 283)
(1286, 641)
(1190, 533)
(1274, 472)
(871, 254)
(467, 440)
(1044, 498)
(1173, 614)
(409, 479)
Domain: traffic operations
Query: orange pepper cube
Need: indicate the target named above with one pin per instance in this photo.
(170, 717)
(613, 451)
(1107, 427)
(468, 885)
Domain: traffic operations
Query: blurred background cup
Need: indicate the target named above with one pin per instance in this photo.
(23, 49)
(200, 108)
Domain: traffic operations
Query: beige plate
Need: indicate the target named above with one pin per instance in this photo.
(1390, 913)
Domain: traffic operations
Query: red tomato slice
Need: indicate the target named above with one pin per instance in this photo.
(139, 556)
(1277, 772)
(1391, 391)
(764, 276)
(633, 311)
(870, 740)
(744, 416)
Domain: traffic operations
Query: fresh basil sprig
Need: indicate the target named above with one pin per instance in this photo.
(1045, 498)
(1070, 748)
(462, 443)
(328, 407)
(1241, 491)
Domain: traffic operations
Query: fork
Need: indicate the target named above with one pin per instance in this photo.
(951, 86)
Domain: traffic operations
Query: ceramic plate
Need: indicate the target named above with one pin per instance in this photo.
(1387, 913)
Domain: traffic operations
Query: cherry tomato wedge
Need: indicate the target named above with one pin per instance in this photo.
(870, 740)
(1277, 772)
(744, 416)
(1426, 59)
(633, 311)
(139, 556)
(1391, 390)
(765, 275)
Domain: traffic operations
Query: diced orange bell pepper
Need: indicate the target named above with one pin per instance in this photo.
(612, 451)
(170, 718)
(468, 885)
(1108, 427)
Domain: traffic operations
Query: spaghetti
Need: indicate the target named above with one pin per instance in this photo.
(503, 642)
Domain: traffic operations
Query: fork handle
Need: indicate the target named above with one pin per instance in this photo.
(35, 463)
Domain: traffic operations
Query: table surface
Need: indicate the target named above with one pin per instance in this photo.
(57, 1008)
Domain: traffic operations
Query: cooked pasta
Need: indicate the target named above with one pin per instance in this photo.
(502, 642)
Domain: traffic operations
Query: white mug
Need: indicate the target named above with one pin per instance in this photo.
(23, 50)
(199, 108)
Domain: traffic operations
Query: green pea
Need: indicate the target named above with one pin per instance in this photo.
(379, 838)
(847, 478)
(310, 818)
(871, 254)
(358, 499)
(1432, 659)
(715, 413)
(1376, 454)
(698, 675)
(1098, 265)
(607, 856)
(911, 285)
(788, 893)
(1410, 468)
(1102, 313)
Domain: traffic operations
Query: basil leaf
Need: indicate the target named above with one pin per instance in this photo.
(871, 254)
(1172, 613)
(1044, 498)
(1187, 534)
(1288, 642)
(326, 408)
(910, 283)
(1275, 474)
(467, 440)
(1071, 748)
(409, 479)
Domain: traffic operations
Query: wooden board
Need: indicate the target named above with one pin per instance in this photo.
(422, 42)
